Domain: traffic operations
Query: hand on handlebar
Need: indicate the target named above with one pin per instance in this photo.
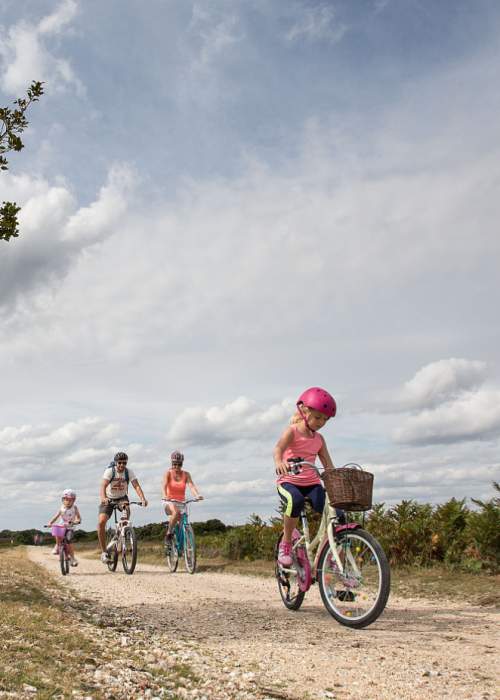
(282, 468)
(104, 501)
(199, 498)
(144, 503)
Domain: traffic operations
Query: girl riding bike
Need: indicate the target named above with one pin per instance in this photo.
(301, 439)
(67, 515)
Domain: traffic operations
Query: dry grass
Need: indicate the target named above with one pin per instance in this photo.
(39, 646)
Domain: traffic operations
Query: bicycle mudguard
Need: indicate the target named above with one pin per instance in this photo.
(347, 526)
(304, 578)
(339, 529)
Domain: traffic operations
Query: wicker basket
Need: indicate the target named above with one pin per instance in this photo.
(349, 487)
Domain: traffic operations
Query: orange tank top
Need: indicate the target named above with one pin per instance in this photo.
(177, 489)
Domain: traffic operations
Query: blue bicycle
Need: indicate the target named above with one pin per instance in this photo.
(182, 540)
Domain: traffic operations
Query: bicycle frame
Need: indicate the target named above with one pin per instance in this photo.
(180, 527)
(328, 528)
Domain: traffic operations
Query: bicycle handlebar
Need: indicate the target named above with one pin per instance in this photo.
(175, 500)
(296, 462)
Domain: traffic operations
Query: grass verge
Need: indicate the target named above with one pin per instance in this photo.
(39, 647)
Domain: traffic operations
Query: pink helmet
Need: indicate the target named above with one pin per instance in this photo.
(319, 400)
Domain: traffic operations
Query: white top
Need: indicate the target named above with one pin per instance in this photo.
(118, 487)
(67, 515)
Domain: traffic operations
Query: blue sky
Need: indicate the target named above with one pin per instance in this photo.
(226, 202)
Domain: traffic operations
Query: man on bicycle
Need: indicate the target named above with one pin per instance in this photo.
(114, 490)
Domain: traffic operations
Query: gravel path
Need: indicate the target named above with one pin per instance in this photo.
(416, 649)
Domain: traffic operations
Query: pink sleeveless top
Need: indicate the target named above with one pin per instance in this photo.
(307, 448)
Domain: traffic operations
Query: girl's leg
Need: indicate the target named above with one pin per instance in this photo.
(289, 524)
(293, 501)
(57, 545)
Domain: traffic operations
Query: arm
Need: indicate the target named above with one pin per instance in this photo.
(78, 518)
(324, 456)
(166, 479)
(102, 491)
(139, 491)
(52, 520)
(284, 441)
(193, 488)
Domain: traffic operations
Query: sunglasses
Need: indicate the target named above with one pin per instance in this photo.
(177, 464)
(121, 463)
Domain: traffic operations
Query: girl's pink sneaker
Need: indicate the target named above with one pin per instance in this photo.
(284, 554)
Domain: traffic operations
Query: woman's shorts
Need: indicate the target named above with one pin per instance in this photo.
(294, 497)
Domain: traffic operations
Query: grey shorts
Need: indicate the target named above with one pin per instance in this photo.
(108, 508)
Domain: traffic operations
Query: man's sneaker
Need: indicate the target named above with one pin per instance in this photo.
(284, 554)
(55, 550)
(104, 557)
(73, 561)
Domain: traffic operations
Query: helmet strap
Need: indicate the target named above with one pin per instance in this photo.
(304, 418)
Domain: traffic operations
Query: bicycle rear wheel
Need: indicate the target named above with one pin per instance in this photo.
(288, 582)
(359, 595)
(171, 553)
(189, 549)
(111, 549)
(63, 560)
(129, 550)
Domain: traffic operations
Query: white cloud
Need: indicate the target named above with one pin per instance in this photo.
(473, 416)
(54, 232)
(316, 24)
(215, 31)
(26, 52)
(242, 419)
(440, 381)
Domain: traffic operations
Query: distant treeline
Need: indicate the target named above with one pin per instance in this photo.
(411, 533)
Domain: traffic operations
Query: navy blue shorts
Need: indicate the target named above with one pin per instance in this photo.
(294, 497)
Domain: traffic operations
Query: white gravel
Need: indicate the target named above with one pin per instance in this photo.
(237, 625)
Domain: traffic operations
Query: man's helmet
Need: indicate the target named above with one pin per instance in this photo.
(69, 493)
(319, 400)
(177, 457)
(121, 457)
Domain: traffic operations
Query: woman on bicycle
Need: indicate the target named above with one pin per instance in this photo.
(301, 439)
(67, 515)
(175, 481)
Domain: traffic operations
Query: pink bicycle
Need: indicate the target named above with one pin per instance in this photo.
(66, 532)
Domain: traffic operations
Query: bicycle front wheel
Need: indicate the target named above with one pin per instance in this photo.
(189, 549)
(129, 550)
(357, 596)
(63, 560)
(288, 582)
(111, 549)
(171, 553)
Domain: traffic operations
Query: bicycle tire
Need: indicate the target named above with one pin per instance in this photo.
(112, 562)
(171, 553)
(189, 549)
(355, 599)
(129, 550)
(63, 560)
(288, 586)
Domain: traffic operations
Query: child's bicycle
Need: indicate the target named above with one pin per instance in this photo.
(66, 532)
(182, 540)
(121, 539)
(348, 563)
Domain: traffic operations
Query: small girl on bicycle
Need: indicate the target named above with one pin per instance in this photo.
(67, 515)
(301, 439)
(175, 481)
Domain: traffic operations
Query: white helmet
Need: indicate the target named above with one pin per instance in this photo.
(69, 493)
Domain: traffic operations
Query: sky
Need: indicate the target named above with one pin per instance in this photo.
(225, 202)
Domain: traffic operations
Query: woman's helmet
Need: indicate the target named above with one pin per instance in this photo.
(177, 457)
(319, 400)
(69, 493)
(121, 457)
